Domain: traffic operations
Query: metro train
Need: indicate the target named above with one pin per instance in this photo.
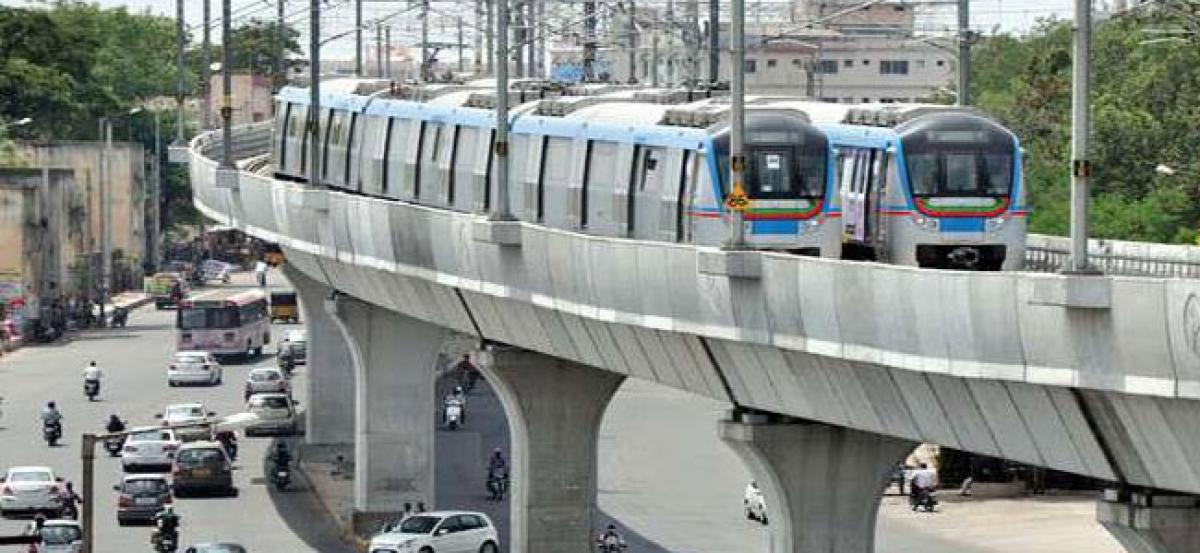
(928, 186)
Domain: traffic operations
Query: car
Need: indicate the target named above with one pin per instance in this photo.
(755, 504)
(194, 367)
(141, 497)
(61, 536)
(266, 379)
(295, 346)
(191, 414)
(202, 466)
(149, 447)
(216, 548)
(212, 269)
(30, 489)
(440, 531)
(274, 413)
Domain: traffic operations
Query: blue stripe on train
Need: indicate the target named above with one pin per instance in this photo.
(960, 224)
(774, 227)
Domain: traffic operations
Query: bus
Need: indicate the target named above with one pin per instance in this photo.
(224, 322)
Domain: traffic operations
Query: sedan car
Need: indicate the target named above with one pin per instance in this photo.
(149, 447)
(194, 367)
(30, 489)
(223, 547)
(441, 531)
(202, 466)
(61, 536)
(141, 497)
(266, 380)
(192, 416)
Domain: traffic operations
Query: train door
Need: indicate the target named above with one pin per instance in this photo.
(853, 200)
(647, 191)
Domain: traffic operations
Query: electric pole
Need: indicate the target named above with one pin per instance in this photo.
(425, 41)
(478, 44)
(461, 60)
(714, 40)
(737, 114)
(1081, 166)
(518, 23)
(227, 83)
(314, 88)
(206, 69)
(589, 40)
(964, 52)
(500, 209)
(181, 92)
(387, 52)
(379, 49)
(358, 38)
(280, 78)
(632, 42)
(491, 36)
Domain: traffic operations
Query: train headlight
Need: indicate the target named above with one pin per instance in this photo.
(927, 223)
(996, 223)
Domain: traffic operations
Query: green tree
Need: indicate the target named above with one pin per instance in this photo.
(256, 49)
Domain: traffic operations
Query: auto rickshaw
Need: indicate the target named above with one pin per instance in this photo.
(283, 306)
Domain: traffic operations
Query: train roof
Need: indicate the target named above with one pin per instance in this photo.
(893, 115)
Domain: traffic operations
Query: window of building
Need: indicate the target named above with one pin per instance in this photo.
(848, 100)
(798, 62)
(848, 63)
(866, 100)
(827, 66)
(866, 62)
(893, 67)
(830, 100)
(941, 63)
(750, 66)
(770, 64)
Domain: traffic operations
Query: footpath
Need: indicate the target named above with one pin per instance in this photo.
(129, 300)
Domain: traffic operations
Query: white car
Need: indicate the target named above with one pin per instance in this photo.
(440, 531)
(30, 489)
(266, 380)
(61, 536)
(149, 447)
(188, 414)
(756, 506)
(274, 413)
(194, 367)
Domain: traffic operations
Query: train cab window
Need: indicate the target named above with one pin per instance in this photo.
(785, 156)
(957, 155)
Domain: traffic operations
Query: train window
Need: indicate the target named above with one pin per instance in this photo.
(959, 173)
(465, 155)
(652, 169)
(602, 172)
(436, 143)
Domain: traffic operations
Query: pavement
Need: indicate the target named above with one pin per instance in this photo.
(134, 359)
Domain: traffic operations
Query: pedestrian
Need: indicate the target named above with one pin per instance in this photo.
(260, 272)
(898, 477)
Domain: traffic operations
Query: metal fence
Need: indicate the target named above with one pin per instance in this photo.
(1051, 260)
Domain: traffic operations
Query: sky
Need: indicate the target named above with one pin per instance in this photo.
(1013, 16)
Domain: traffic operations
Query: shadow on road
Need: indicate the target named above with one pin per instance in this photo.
(300, 509)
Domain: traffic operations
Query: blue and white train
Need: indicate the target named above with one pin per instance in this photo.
(914, 185)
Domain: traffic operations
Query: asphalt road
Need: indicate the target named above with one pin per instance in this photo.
(134, 360)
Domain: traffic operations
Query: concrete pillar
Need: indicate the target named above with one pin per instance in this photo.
(822, 483)
(554, 409)
(394, 406)
(329, 411)
(1151, 523)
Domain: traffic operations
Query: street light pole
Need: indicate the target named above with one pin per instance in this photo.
(314, 106)
(500, 208)
(737, 113)
(227, 83)
(964, 52)
(714, 40)
(205, 69)
(280, 78)
(106, 220)
(87, 514)
(358, 38)
(182, 82)
(1081, 166)
(156, 193)
(425, 41)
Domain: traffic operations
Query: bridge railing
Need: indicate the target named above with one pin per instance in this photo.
(248, 141)
(1049, 254)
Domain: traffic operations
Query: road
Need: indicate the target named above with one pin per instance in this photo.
(135, 388)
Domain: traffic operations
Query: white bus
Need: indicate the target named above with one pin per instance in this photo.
(224, 322)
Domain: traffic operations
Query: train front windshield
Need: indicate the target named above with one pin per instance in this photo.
(958, 155)
(785, 157)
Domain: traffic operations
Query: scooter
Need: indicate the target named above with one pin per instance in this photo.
(610, 546)
(453, 414)
(51, 432)
(281, 477)
(497, 485)
(922, 498)
(113, 445)
(120, 317)
(164, 542)
(91, 388)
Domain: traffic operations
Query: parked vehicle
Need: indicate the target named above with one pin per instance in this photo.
(30, 489)
(141, 497)
(276, 413)
(194, 367)
(283, 306)
(441, 531)
(167, 288)
(149, 447)
(266, 380)
(189, 420)
(202, 466)
(61, 536)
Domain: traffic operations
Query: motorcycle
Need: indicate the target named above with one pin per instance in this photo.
(609, 546)
(453, 414)
(69, 511)
(91, 388)
(113, 445)
(164, 542)
(497, 486)
(920, 498)
(281, 477)
(120, 317)
(51, 432)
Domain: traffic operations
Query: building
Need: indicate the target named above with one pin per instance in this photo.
(251, 98)
(36, 206)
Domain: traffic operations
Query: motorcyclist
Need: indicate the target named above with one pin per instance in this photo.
(51, 416)
(468, 373)
(229, 441)
(280, 457)
(457, 397)
(610, 540)
(115, 424)
(497, 461)
(167, 522)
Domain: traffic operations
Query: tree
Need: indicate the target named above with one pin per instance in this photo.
(256, 49)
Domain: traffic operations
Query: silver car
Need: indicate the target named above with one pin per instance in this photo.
(275, 413)
(30, 489)
(194, 367)
(149, 447)
(266, 380)
(192, 417)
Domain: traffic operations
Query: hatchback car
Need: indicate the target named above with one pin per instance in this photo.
(141, 497)
(440, 531)
(274, 413)
(30, 489)
(61, 536)
(149, 448)
(266, 380)
(194, 367)
(193, 415)
(202, 466)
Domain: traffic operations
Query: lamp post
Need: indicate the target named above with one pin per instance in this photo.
(106, 208)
